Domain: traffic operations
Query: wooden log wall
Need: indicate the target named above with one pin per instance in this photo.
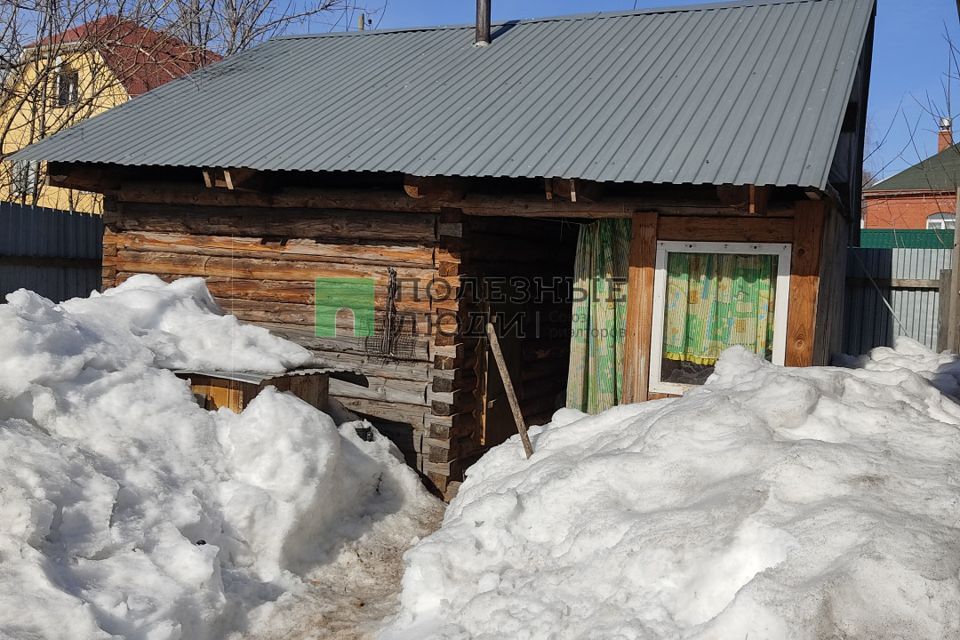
(261, 265)
(486, 252)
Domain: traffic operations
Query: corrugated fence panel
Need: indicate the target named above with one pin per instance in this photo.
(55, 253)
(878, 308)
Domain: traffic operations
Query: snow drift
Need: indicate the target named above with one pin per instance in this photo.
(770, 503)
(129, 511)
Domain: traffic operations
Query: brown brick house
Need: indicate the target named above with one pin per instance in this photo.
(921, 197)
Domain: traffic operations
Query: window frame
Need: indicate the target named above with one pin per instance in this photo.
(939, 221)
(781, 301)
(25, 178)
(66, 86)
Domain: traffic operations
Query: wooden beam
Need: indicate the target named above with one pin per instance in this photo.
(637, 348)
(574, 190)
(474, 204)
(434, 188)
(758, 197)
(725, 229)
(808, 228)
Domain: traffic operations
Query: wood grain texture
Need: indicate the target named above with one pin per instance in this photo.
(804, 283)
(643, 253)
(725, 229)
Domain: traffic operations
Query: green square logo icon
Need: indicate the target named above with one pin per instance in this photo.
(350, 300)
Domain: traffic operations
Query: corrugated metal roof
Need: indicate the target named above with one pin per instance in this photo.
(742, 93)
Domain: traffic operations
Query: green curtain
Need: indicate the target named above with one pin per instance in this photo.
(718, 300)
(595, 380)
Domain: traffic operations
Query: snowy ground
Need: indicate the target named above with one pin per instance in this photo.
(770, 503)
(128, 511)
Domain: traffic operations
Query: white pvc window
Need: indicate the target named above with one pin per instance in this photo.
(941, 221)
(666, 376)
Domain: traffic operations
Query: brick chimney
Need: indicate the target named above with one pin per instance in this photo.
(945, 135)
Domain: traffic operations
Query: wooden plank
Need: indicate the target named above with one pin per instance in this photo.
(725, 229)
(637, 349)
(804, 282)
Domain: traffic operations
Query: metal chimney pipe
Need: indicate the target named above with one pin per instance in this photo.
(483, 23)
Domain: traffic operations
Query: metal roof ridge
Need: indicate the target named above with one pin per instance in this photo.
(573, 17)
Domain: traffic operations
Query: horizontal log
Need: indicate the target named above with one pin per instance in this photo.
(280, 291)
(305, 314)
(460, 379)
(665, 201)
(410, 348)
(275, 247)
(448, 404)
(453, 425)
(414, 415)
(304, 221)
(258, 269)
(380, 367)
(382, 389)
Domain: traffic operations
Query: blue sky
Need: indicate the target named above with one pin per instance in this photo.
(909, 64)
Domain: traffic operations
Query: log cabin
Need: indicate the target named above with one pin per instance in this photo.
(623, 194)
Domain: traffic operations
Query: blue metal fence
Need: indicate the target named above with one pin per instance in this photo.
(55, 253)
(890, 293)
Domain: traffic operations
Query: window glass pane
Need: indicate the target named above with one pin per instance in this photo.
(714, 301)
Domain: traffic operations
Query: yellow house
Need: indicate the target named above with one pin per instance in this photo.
(74, 75)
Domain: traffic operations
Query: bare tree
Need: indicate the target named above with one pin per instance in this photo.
(65, 60)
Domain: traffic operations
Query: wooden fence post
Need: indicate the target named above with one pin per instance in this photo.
(953, 300)
(943, 312)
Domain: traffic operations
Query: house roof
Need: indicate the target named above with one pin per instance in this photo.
(142, 59)
(742, 93)
(937, 173)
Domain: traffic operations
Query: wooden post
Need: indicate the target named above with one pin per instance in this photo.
(953, 300)
(637, 349)
(508, 387)
(808, 225)
(943, 313)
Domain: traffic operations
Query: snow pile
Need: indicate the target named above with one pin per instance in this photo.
(129, 511)
(770, 503)
(181, 324)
